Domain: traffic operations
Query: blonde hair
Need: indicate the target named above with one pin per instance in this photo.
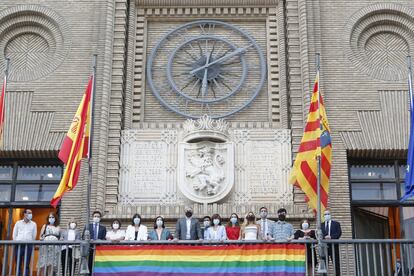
(245, 222)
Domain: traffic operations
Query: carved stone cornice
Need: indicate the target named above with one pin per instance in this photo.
(206, 3)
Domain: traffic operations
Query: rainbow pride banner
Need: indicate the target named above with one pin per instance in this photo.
(196, 260)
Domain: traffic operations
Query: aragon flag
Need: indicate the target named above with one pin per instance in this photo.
(2, 112)
(75, 146)
(316, 141)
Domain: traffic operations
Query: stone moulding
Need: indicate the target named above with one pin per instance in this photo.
(205, 3)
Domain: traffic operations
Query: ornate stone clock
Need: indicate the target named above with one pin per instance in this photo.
(206, 67)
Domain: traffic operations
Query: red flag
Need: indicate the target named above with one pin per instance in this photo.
(316, 141)
(75, 146)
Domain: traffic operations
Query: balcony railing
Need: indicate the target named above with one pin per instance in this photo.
(344, 257)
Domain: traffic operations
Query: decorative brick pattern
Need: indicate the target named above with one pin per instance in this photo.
(117, 107)
(377, 39)
(35, 38)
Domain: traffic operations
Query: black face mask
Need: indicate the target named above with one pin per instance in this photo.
(188, 214)
(250, 218)
(282, 217)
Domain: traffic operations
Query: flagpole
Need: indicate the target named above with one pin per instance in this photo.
(88, 195)
(4, 85)
(409, 185)
(9, 222)
(410, 83)
(322, 266)
(84, 269)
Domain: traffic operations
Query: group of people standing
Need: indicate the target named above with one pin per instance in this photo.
(186, 228)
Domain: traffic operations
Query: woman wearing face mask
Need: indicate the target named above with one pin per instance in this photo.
(49, 254)
(70, 252)
(216, 232)
(233, 227)
(136, 231)
(250, 230)
(115, 234)
(160, 232)
(305, 233)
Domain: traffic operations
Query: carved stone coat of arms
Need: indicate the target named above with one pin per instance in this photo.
(206, 170)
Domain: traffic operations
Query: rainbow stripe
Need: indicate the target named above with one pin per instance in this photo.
(196, 260)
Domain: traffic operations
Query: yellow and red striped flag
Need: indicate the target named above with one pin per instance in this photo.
(75, 146)
(2, 111)
(316, 141)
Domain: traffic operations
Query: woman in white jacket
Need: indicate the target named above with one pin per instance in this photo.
(216, 232)
(136, 231)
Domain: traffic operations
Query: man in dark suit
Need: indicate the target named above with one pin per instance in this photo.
(331, 230)
(97, 232)
(188, 228)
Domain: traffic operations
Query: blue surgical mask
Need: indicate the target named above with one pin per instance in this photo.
(137, 221)
(233, 220)
(52, 220)
(29, 216)
(216, 221)
(327, 217)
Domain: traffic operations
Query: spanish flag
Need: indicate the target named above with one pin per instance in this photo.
(75, 146)
(2, 111)
(316, 141)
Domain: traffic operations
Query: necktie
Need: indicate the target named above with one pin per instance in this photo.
(95, 231)
(327, 228)
(263, 228)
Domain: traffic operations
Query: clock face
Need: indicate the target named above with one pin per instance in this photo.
(206, 67)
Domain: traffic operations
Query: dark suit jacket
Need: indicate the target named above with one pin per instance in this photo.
(101, 232)
(181, 229)
(336, 231)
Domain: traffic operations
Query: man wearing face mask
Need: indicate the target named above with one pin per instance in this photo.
(206, 225)
(332, 230)
(97, 232)
(282, 230)
(188, 228)
(24, 230)
(266, 225)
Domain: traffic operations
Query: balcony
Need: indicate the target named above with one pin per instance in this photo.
(354, 257)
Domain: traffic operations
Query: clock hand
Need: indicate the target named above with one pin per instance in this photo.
(204, 85)
(226, 57)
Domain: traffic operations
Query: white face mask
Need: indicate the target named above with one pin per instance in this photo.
(206, 223)
(137, 221)
(263, 214)
(305, 226)
(52, 220)
(159, 223)
(327, 217)
(115, 226)
(233, 220)
(72, 225)
(216, 221)
(96, 219)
